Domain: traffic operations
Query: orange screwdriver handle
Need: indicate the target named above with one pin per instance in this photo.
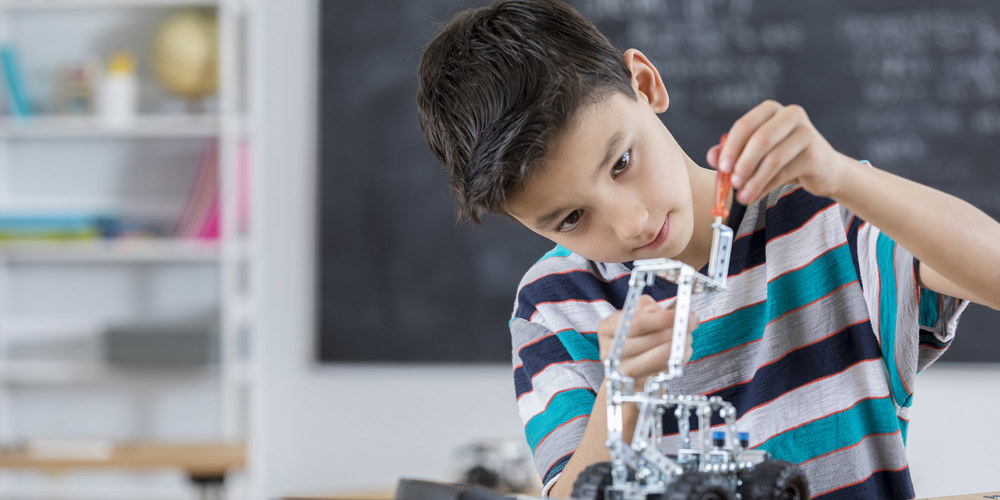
(723, 184)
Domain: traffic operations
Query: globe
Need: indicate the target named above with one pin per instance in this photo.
(185, 53)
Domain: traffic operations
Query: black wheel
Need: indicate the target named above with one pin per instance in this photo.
(481, 476)
(775, 479)
(592, 482)
(696, 485)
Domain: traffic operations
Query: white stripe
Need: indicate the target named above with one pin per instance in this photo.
(741, 290)
(811, 402)
(558, 378)
(867, 239)
(854, 464)
(798, 248)
(572, 314)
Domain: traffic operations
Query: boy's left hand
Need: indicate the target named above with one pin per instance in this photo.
(772, 145)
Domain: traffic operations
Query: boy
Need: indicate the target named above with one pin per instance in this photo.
(844, 280)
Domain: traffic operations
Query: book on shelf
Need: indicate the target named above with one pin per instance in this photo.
(52, 227)
(71, 227)
(201, 218)
(14, 86)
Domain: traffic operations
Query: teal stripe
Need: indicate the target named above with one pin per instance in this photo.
(558, 251)
(930, 303)
(731, 330)
(582, 347)
(563, 407)
(885, 250)
(791, 291)
(834, 432)
(827, 273)
(903, 426)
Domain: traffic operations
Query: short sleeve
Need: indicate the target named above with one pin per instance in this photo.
(556, 375)
(913, 326)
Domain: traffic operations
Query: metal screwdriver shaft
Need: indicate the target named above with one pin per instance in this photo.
(722, 236)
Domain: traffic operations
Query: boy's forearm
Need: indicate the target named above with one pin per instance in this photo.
(949, 235)
(592, 448)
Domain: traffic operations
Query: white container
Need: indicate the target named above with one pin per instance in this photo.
(118, 99)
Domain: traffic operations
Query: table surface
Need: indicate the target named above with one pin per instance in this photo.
(388, 495)
(196, 458)
(969, 496)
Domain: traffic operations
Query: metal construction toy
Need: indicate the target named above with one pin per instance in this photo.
(715, 465)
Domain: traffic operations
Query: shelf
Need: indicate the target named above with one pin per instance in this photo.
(101, 4)
(144, 126)
(196, 458)
(74, 373)
(111, 252)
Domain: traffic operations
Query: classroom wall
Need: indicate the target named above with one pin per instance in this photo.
(349, 427)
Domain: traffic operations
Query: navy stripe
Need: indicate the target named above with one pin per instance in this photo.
(556, 468)
(852, 243)
(575, 285)
(803, 366)
(881, 485)
(798, 368)
(929, 339)
(747, 252)
(536, 356)
(582, 286)
(792, 211)
(522, 382)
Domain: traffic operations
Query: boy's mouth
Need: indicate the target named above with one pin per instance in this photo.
(660, 237)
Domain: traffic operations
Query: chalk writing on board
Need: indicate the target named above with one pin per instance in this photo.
(911, 85)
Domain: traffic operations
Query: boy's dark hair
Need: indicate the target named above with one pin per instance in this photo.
(498, 85)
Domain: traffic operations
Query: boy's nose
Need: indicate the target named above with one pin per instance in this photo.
(629, 219)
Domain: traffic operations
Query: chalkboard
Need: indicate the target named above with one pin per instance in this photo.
(912, 86)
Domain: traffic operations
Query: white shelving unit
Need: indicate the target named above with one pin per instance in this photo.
(66, 294)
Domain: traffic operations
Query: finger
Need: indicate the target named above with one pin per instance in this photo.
(766, 137)
(793, 172)
(635, 345)
(609, 325)
(651, 319)
(741, 131)
(713, 156)
(775, 166)
(647, 363)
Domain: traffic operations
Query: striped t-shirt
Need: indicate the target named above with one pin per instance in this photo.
(816, 342)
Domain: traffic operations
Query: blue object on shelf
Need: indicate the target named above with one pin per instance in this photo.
(17, 99)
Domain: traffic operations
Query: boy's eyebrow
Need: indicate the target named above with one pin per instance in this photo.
(609, 153)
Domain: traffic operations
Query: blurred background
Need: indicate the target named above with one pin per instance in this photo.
(229, 265)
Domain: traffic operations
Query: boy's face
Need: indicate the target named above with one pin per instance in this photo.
(615, 187)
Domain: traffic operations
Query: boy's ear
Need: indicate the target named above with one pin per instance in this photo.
(646, 80)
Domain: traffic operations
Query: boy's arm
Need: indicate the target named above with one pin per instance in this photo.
(592, 448)
(958, 246)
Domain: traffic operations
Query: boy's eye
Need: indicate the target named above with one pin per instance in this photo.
(569, 222)
(621, 164)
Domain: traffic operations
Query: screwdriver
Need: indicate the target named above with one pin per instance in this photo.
(723, 183)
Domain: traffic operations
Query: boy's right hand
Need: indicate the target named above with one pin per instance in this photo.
(647, 347)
